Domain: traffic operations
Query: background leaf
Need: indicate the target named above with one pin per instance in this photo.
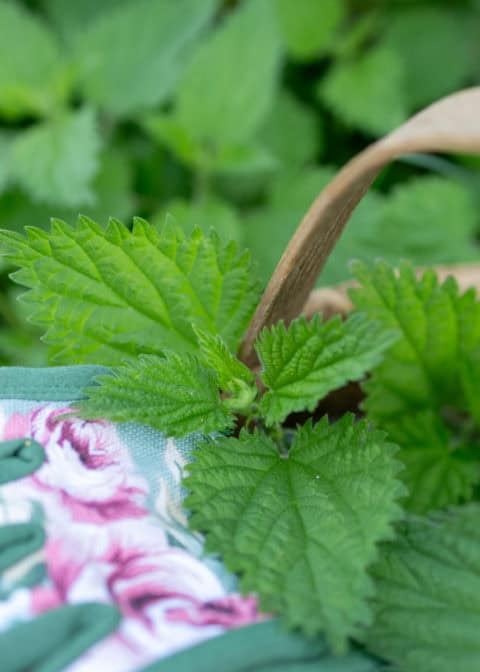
(57, 160)
(30, 63)
(368, 92)
(427, 607)
(416, 393)
(308, 27)
(131, 57)
(228, 87)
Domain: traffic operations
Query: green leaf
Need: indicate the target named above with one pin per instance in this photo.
(435, 65)
(305, 362)
(31, 78)
(216, 355)
(6, 141)
(229, 86)
(308, 26)
(206, 214)
(131, 57)
(427, 603)
(438, 470)
(174, 394)
(301, 530)
(269, 229)
(368, 92)
(72, 18)
(291, 131)
(388, 227)
(469, 366)
(421, 377)
(107, 295)
(233, 376)
(56, 161)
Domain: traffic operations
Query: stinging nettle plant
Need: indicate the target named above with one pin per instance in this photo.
(360, 527)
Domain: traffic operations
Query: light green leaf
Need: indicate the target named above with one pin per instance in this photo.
(233, 376)
(291, 132)
(131, 57)
(436, 47)
(206, 214)
(305, 362)
(31, 78)
(109, 295)
(421, 379)
(174, 394)
(368, 92)
(388, 227)
(269, 229)
(56, 161)
(229, 86)
(6, 141)
(308, 26)
(300, 530)
(72, 18)
(112, 188)
(427, 603)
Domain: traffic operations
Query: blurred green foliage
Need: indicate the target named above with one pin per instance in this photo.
(232, 115)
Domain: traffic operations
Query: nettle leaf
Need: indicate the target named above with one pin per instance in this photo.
(229, 86)
(386, 226)
(106, 295)
(291, 131)
(421, 378)
(218, 357)
(30, 64)
(308, 27)
(174, 394)
(367, 92)
(209, 213)
(427, 602)
(300, 530)
(268, 229)
(430, 70)
(72, 18)
(6, 142)
(305, 362)
(56, 161)
(131, 57)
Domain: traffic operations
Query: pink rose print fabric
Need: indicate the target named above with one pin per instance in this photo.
(111, 539)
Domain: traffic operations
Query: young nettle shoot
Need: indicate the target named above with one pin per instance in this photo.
(316, 518)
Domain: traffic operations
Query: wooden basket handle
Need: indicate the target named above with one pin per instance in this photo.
(450, 125)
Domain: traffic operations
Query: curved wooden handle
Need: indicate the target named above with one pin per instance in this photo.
(450, 125)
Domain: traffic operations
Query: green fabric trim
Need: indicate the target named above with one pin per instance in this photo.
(56, 383)
(18, 458)
(19, 541)
(56, 638)
(262, 647)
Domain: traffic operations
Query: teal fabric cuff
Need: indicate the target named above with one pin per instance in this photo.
(56, 638)
(263, 647)
(56, 383)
